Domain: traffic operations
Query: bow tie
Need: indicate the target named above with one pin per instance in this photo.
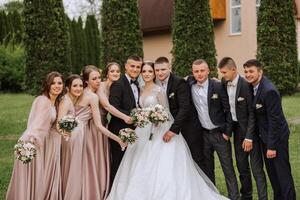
(230, 84)
(134, 82)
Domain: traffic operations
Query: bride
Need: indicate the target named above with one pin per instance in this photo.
(155, 170)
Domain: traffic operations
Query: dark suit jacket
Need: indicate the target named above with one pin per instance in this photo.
(243, 106)
(270, 120)
(179, 102)
(122, 98)
(218, 105)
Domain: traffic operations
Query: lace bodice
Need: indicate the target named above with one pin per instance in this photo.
(151, 98)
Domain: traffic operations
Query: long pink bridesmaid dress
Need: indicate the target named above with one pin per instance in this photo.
(39, 179)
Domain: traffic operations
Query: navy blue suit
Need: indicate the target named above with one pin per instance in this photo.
(274, 133)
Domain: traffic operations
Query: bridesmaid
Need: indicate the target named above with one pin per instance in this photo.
(72, 144)
(40, 179)
(112, 73)
(95, 150)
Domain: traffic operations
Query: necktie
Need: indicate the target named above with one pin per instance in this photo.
(230, 84)
(255, 91)
(134, 82)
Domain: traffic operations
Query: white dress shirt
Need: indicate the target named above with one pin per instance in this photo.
(134, 90)
(199, 95)
(163, 84)
(231, 90)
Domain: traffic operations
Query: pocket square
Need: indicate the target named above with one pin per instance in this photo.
(171, 95)
(258, 106)
(215, 96)
(241, 99)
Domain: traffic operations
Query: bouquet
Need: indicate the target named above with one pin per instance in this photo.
(25, 151)
(67, 124)
(157, 114)
(127, 135)
(140, 117)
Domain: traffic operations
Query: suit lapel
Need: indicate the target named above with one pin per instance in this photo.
(129, 90)
(238, 90)
(170, 82)
(258, 92)
(209, 92)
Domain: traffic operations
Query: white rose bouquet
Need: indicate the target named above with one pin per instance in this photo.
(127, 135)
(25, 151)
(67, 124)
(140, 117)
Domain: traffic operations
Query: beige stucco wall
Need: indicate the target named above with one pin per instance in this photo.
(240, 47)
(156, 45)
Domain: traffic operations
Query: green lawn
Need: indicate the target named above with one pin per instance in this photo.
(14, 110)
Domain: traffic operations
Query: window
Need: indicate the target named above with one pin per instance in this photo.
(235, 17)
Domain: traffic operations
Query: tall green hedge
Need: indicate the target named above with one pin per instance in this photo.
(193, 35)
(46, 41)
(93, 40)
(121, 32)
(276, 39)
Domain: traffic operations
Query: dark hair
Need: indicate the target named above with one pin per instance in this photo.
(70, 80)
(161, 60)
(252, 62)
(227, 61)
(135, 58)
(151, 64)
(47, 85)
(107, 68)
(86, 73)
(199, 62)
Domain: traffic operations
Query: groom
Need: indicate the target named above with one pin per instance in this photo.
(124, 95)
(181, 108)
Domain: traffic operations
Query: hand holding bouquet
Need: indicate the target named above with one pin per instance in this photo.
(140, 117)
(67, 124)
(127, 135)
(157, 114)
(25, 151)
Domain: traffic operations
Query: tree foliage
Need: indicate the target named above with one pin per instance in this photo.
(121, 32)
(276, 39)
(193, 36)
(46, 41)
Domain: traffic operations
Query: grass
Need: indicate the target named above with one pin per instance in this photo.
(14, 110)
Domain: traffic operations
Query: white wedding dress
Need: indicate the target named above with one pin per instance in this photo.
(155, 170)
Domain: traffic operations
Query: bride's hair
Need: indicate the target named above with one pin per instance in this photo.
(151, 64)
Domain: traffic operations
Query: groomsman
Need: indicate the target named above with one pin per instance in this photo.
(273, 131)
(124, 95)
(211, 101)
(246, 141)
(185, 117)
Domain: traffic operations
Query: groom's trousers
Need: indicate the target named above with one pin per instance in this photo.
(214, 141)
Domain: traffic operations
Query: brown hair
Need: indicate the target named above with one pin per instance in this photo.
(70, 80)
(86, 73)
(107, 68)
(253, 62)
(47, 85)
(161, 60)
(227, 61)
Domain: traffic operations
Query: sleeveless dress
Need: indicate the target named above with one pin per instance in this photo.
(153, 169)
(72, 156)
(39, 179)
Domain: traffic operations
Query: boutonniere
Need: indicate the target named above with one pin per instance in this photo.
(241, 99)
(171, 95)
(215, 96)
(258, 106)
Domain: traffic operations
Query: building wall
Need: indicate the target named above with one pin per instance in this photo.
(240, 47)
(156, 45)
